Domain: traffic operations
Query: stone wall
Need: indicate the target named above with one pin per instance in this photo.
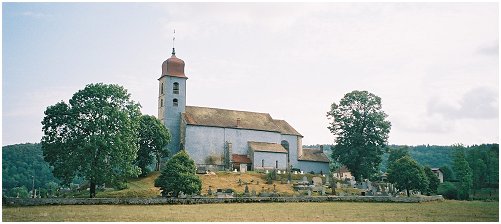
(203, 200)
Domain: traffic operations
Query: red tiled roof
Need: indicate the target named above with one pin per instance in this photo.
(240, 159)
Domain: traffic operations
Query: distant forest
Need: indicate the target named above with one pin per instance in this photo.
(426, 155)
(23, 163)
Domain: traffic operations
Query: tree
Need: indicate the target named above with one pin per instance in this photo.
(448, 190)
(361, 131)
(19, 192)
(433, 181)
(463, 173)
(397, 153)
(179, 175)
(93, 137)
(406, 173)
(448, 174)
(153, 137)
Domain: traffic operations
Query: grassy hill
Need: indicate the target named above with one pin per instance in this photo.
(144, 187)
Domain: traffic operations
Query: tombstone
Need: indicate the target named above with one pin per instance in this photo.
(278, 172)
(309, 193)
(267, 171)
(253, 193)
(295, 172)
(317, 181)
(327, 180)
(305, 179)
(302, 172)
(235, 171)
(323, 191)
(243, 168)
(246, 189)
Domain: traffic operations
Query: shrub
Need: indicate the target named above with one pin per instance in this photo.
(448, 190)
(179, 175)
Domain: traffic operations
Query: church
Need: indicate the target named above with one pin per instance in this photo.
(223, 139)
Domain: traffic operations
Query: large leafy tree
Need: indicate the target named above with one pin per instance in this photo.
(94, 136)
(179, 175)
(361, 130)
(153, 137)
(463, 172)
(407, 174)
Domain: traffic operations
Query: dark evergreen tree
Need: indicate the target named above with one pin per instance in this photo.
(463, 173)
(433, 181)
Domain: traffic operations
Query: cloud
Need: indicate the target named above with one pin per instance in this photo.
(478, 103)
(489, 50)
(37, 15)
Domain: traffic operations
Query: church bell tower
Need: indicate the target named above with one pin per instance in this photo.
(172, 98)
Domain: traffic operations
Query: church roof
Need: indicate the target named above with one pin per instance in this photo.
(173, 66)
(285, 128)
(266, 147)
(314, 155)
(240, 159)
(215, 117)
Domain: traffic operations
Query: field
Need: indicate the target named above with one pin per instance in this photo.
(450, 211)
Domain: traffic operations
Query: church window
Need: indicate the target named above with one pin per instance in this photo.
(276, 164)
(161, 102)
(262, 163)
(174, 102)
(162, 88)
(175, 89)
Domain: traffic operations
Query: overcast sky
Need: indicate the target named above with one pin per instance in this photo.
(435, 65)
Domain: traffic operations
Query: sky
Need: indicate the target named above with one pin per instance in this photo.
(434, 65)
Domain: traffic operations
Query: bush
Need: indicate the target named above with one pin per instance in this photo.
(448, 190)
(178, 175)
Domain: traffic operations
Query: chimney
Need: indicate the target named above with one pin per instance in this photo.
(238, 122)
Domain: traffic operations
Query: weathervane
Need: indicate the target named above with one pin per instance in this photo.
(173, 41)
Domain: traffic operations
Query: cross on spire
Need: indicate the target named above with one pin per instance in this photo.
(173, 42)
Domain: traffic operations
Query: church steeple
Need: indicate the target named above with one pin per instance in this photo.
(172, 97)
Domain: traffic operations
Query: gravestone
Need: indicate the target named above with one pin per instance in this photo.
(295, 172)
(317, 181)
(253, 194)
(267, 171)
(278, 172)
(305, 179)
(309, 193)
(302, 172)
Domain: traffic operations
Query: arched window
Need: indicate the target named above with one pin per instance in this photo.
(262, 163)
(276, 164)
(174, 102)
(175, 89)
(161, 102)
(162, 88)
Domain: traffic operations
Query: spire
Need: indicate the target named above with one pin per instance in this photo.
(173, 41)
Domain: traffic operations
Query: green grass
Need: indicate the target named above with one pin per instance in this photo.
(450, 211)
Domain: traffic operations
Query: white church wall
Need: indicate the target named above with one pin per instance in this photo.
(202, 141)
(240, 137)
(268, 160)
(316, 167)
(292, 140)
